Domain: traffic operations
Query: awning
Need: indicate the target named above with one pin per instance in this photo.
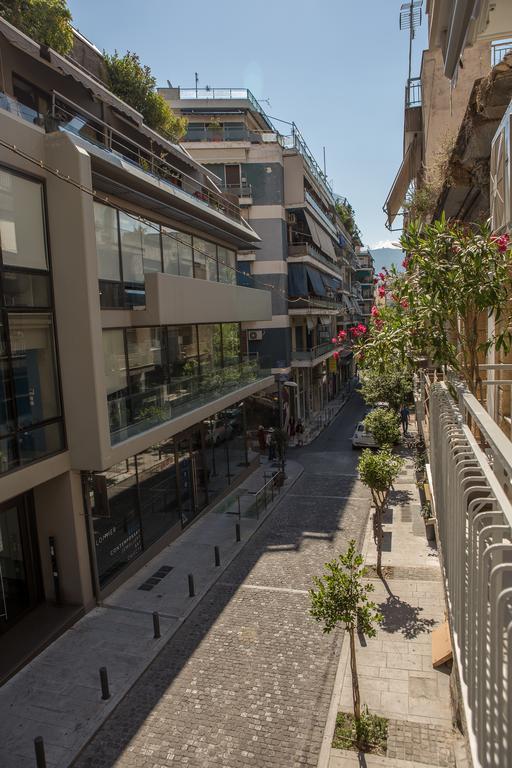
(327, 244)
(331, 282)
(320, 237)
(407, 172)
(310, 323)
(325, 320)
(297, 280)
(315, 281)
(313, 229)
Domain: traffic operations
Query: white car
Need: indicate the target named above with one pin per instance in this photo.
(363, 439)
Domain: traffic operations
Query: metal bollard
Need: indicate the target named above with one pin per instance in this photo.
(156, 625)
(237, 531)
(105, 693)
(191, 590)
(217, 556)
(40, 755)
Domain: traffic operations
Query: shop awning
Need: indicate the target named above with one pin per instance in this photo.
(315, 281)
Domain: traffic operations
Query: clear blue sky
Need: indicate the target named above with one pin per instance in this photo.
(335, 67)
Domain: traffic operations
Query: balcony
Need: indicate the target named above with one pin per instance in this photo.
(499, 50)
(66, 116)
(299, 250)
(129, 416)
(242, 192)
(413, 93)
(314, 305)
(312, 355)
(222, 94)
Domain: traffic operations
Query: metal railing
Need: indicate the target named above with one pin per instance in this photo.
(241, 190)
(413, 92)
(472, 488)
(306, 248)
(313, 352)
(314, 302)
(499, 51)
(296, 141)
(243, 94)
(247, 503)
(68, 116)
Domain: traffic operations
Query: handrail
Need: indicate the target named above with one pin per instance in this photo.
(499, 51)
(114, 141)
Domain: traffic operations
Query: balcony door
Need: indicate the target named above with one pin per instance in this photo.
(232, 175)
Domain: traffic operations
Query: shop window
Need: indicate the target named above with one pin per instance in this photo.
(158, 492)
(22, 228)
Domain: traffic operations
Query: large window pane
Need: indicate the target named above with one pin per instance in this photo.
(26, 289)
(182, 351)
(114, 361)
(205, 259)
(210, 347)
(34, 369)
(107, 242)
(231, 343)
(227, 266)
(185, 254)
(144, 358)
(170, 251)
(39, 442)
(22, 227)
(158, 493)
(151, 244)
(131, 248)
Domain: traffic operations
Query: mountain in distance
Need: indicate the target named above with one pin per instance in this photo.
(385, 257)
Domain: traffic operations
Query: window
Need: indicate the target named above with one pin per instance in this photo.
(232, 173)
(205, 259)
(227, 265)
(35, 103)
(34, 368)
(107, 242)
(131, 248)
(22, 227)
(152, 255)
(185, 254)
(231, 343)
(210, 347)
(182, 351)
(114, 361)
(144, 358)
(171, 262)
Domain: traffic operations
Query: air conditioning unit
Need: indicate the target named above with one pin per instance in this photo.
(255, 335)
(500, 173)
(292, 218)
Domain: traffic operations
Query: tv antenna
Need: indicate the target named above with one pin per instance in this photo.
(411, 16)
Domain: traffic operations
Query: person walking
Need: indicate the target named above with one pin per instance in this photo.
(404, 418)
(299, 429)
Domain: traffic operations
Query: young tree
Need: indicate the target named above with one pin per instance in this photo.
(341, 597)
(384, 424)
(46, 21)
(378, 471)
(392, 385)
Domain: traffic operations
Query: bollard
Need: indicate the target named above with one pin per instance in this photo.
(39, 748)
(156, 625)
(105, 693)
(217, 556)
(191, 590)
(237, 531)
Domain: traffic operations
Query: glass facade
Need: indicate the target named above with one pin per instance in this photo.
(155, 374)
(128, 248)
(31, 424)
(163, 489)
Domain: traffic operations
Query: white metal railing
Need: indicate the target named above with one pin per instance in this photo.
(472, 485)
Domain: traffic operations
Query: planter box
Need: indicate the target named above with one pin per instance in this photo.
(430, 528)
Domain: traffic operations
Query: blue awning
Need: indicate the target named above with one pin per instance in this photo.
(297, 281)
(315, 281)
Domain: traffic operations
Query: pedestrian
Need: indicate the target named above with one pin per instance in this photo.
(272, 446)
(404, 418)
(262, 438)
(299, 429)
(291, 429)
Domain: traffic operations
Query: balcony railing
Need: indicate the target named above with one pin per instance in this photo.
(471, 463)
(133, 414)
(314, 303)
(67, 116)
(499, 51)
(303, 249)
(413, 92)
(313, 352)
(244, 190)
(241, 94)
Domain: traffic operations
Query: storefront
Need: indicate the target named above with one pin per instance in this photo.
(163, 489)
(20, 573)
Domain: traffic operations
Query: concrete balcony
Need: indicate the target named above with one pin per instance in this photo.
(307, 358)
(176, 300)
(301, 252)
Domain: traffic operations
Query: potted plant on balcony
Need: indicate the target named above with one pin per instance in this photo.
(214, 130)
(429, 520)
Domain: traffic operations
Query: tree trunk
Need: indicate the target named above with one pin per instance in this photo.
(355, 680)
(378, 538)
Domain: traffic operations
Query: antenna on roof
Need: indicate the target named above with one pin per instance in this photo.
(197, 81)
(410, 18)
(169, 84)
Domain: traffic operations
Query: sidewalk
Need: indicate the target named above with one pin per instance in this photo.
(397, 679)
(57, 696)
(319, 420)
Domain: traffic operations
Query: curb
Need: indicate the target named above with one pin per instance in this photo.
(97, 722)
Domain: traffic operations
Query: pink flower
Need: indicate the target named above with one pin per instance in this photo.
(382, 276)
(334, 340)
(361, 328)
(502, 242)
(342, 335)
(375, 311)
(404, 303)
(379, 323)
(353, 331)
(405, 262)
(336, 355)
(381, 291)
(375, 281)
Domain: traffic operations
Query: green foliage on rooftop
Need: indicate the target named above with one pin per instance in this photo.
(348, 219)
(48, 22)
(135, 84)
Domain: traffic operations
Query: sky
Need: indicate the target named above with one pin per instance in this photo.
(337, 68)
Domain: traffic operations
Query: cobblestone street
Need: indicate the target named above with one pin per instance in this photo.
(247, 680)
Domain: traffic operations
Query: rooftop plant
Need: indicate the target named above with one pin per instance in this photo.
(46, 21)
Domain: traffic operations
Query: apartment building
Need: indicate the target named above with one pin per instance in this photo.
(305, 253)
(365, 275)
(125, 372)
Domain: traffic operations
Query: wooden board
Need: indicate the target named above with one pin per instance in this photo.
(441, 645)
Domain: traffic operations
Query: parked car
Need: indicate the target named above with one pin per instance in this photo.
(363, 439)
(217, 430)
(235, 419)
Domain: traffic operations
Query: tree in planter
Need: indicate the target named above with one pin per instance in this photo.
(134, 83)
(455, 276)
(46, 21)
(341, 597)
(384, 424)
(392, 385)
(378, 471)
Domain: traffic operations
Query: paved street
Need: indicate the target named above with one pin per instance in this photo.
(247, 679)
